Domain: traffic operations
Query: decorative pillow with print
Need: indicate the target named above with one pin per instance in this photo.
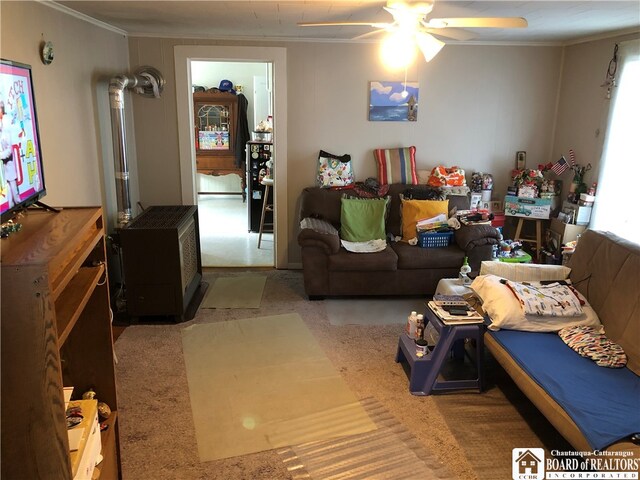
(553, 300)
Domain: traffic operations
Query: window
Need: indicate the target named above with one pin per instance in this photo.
(617, 196)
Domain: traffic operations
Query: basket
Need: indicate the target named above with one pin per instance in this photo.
(434, 239)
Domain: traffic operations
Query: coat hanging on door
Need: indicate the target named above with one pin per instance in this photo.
(242, 131)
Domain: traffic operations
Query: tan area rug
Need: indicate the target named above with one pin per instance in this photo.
(371, 311)
(244, 291)
(261, 383)
(390, 452)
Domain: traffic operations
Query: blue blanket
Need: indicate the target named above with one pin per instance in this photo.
(603, 402)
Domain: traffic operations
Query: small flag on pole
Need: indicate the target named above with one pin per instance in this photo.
(560, 166)
(572, 157)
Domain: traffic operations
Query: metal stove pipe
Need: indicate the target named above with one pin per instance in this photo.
(146, 81)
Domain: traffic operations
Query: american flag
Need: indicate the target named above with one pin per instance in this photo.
(561, 165)
(572, 157)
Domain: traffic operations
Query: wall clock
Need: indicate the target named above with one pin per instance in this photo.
(46, 52)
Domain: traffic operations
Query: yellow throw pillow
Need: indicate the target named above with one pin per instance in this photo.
(415, 210)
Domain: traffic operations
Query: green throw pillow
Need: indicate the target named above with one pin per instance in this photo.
(362, 219)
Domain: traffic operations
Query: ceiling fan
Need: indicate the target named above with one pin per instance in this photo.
(410, 23)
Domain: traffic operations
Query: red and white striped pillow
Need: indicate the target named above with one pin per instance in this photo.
(396, 165)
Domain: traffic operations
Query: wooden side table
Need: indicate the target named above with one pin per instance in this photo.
(537, 240)
(423, 379)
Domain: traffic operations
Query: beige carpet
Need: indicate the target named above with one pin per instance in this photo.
(260, 383)
(371, 311)
(242, 291)
(157, 431)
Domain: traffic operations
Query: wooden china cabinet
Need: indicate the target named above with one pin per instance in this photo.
(215, 120)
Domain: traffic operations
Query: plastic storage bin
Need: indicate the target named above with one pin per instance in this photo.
(434, 239)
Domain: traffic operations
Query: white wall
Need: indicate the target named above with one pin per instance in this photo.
(71, 98)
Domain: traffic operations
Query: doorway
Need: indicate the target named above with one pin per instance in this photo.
(229, 211)
(184, 55)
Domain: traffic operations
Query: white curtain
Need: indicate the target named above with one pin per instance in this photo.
(616, 206)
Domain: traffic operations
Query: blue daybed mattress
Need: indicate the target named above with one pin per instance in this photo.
(603, 402)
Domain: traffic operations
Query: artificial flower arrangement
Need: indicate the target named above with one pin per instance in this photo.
(578, 173)
(529, 181)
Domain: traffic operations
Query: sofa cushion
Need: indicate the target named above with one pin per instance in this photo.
(363, 219)
(411, 257)
(364, 262)
(602, 402)
(606, 269)
(396, 165)
(414, 210)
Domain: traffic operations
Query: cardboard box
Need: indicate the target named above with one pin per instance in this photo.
(527, 207)
(566, 232)
(84, 440)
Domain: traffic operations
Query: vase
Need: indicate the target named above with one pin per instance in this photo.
(476, 181)
(487, 181)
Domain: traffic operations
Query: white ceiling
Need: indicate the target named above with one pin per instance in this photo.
(556, 21)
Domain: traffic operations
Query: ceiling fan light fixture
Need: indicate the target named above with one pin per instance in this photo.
(428, 45)
(398, 50)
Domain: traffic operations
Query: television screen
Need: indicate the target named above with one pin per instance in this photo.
(21, 175)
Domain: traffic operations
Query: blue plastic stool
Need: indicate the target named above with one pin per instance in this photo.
(423, 379)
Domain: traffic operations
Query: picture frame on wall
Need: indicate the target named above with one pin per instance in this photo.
(393, 101)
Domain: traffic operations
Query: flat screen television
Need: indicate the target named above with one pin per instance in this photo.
(21, 175)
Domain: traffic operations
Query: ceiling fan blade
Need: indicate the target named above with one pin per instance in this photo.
(369, 34)
(480, 22)
(453, 33)
(344, 24)
(428, 45)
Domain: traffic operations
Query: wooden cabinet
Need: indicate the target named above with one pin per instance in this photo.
(215, 120)
(56, 331)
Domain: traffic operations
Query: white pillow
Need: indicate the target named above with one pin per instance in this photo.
(505, 311)
(524, 272)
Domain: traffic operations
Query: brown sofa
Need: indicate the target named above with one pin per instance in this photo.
(400, 269)
(606, 270)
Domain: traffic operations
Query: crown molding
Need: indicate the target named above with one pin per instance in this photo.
(603, 36)
(82, 16)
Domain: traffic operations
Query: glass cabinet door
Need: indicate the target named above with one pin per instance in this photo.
(214, 123)
(213, 127)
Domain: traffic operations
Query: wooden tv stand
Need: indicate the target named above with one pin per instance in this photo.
(56, 331)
